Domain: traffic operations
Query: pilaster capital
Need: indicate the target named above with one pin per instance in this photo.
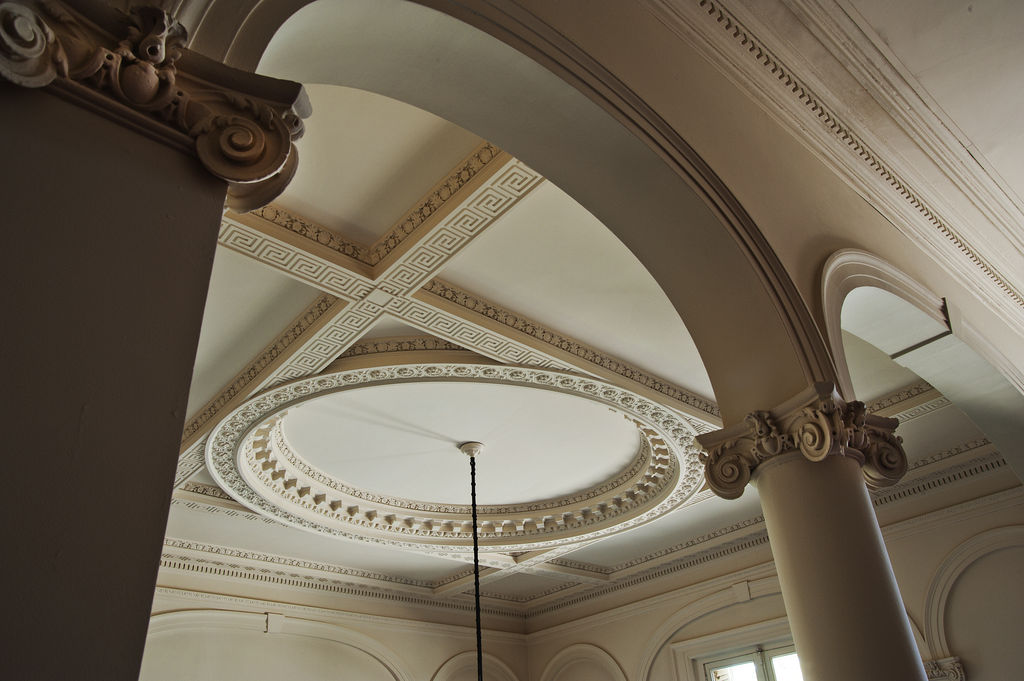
(134, 68)
(817, 424)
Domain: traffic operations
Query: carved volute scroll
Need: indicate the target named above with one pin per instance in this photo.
(817, 424)
(135, 69)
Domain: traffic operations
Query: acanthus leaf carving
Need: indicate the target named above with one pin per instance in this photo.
(820, 425)
(946, 669)
(244, 139)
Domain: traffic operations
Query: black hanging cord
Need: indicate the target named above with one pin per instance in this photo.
(476, 571)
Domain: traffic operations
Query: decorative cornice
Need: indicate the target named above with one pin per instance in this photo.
(435, 199)
(646, 465)
(381, 346)
(531, 328)
(951, 452)
(897, 397)
(721, 542)
(756, 63)
(136, 70)
(172, 544)
(429, 205)
(986, 463)
(816, 423)
(310, 230)
(206, 490)
(222, 568)
(909, 402)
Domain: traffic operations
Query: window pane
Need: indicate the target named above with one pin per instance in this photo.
(744, 671)
(787, 668)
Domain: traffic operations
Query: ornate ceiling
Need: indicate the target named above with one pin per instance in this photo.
(386, 309)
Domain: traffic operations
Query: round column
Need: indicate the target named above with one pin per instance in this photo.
(810, 459)
(843, 605)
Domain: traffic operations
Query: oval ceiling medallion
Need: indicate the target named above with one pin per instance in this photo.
(372, 454)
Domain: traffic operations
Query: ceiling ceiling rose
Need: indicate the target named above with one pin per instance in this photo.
(253, 455)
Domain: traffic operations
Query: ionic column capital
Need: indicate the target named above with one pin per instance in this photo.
(817, 424)
(136, 70)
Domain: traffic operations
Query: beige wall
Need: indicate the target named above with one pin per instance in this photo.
(975, 548)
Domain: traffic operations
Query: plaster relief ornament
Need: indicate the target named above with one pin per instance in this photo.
(817, 424)
(139, 61)
(252, 457)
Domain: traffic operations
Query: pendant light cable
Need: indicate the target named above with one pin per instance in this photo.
(476, 570)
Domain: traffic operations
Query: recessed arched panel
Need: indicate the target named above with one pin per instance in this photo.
(211, 645)
(462, 667)
(582, 662)
(596, 141)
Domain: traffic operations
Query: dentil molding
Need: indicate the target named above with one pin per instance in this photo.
(134, 68)
(248, 458)
(817, 423)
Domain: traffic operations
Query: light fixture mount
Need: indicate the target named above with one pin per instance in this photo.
(471, 448)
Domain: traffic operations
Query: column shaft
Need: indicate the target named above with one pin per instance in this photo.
(844, 608)
(110, 244)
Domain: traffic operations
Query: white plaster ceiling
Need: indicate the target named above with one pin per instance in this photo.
(401, 440)
(967, 57)
(367, 158)
(676, 530)
(552, 260)
(247, 306)
(872, 372)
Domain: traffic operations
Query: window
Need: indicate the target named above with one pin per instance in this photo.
(776, 664)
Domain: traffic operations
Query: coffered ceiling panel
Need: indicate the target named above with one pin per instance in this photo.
(684, 529)
(247, 306)
(551, 259)
(367, 158)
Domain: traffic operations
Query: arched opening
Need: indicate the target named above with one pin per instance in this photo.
(613, 156)
(895, 331)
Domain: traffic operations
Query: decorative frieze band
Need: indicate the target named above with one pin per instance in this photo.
(818, 423)
(741, 51)
(135, 69)
(531, 328)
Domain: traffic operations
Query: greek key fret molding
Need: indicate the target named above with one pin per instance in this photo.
(817, 423)
(136, 70)
(464, 299)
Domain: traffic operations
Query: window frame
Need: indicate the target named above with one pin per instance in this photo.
(761, 656)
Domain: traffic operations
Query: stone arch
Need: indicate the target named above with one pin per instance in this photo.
(952, 566)
(465, 662)
(912, 325)
(613, 154)
(582, 652)
(229, 620)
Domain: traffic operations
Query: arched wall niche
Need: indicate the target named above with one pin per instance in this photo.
(296, 642)
(949, 571)
(741, 592)
(512, 79)
(870, 298)
(582, 662)
(462, 667)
